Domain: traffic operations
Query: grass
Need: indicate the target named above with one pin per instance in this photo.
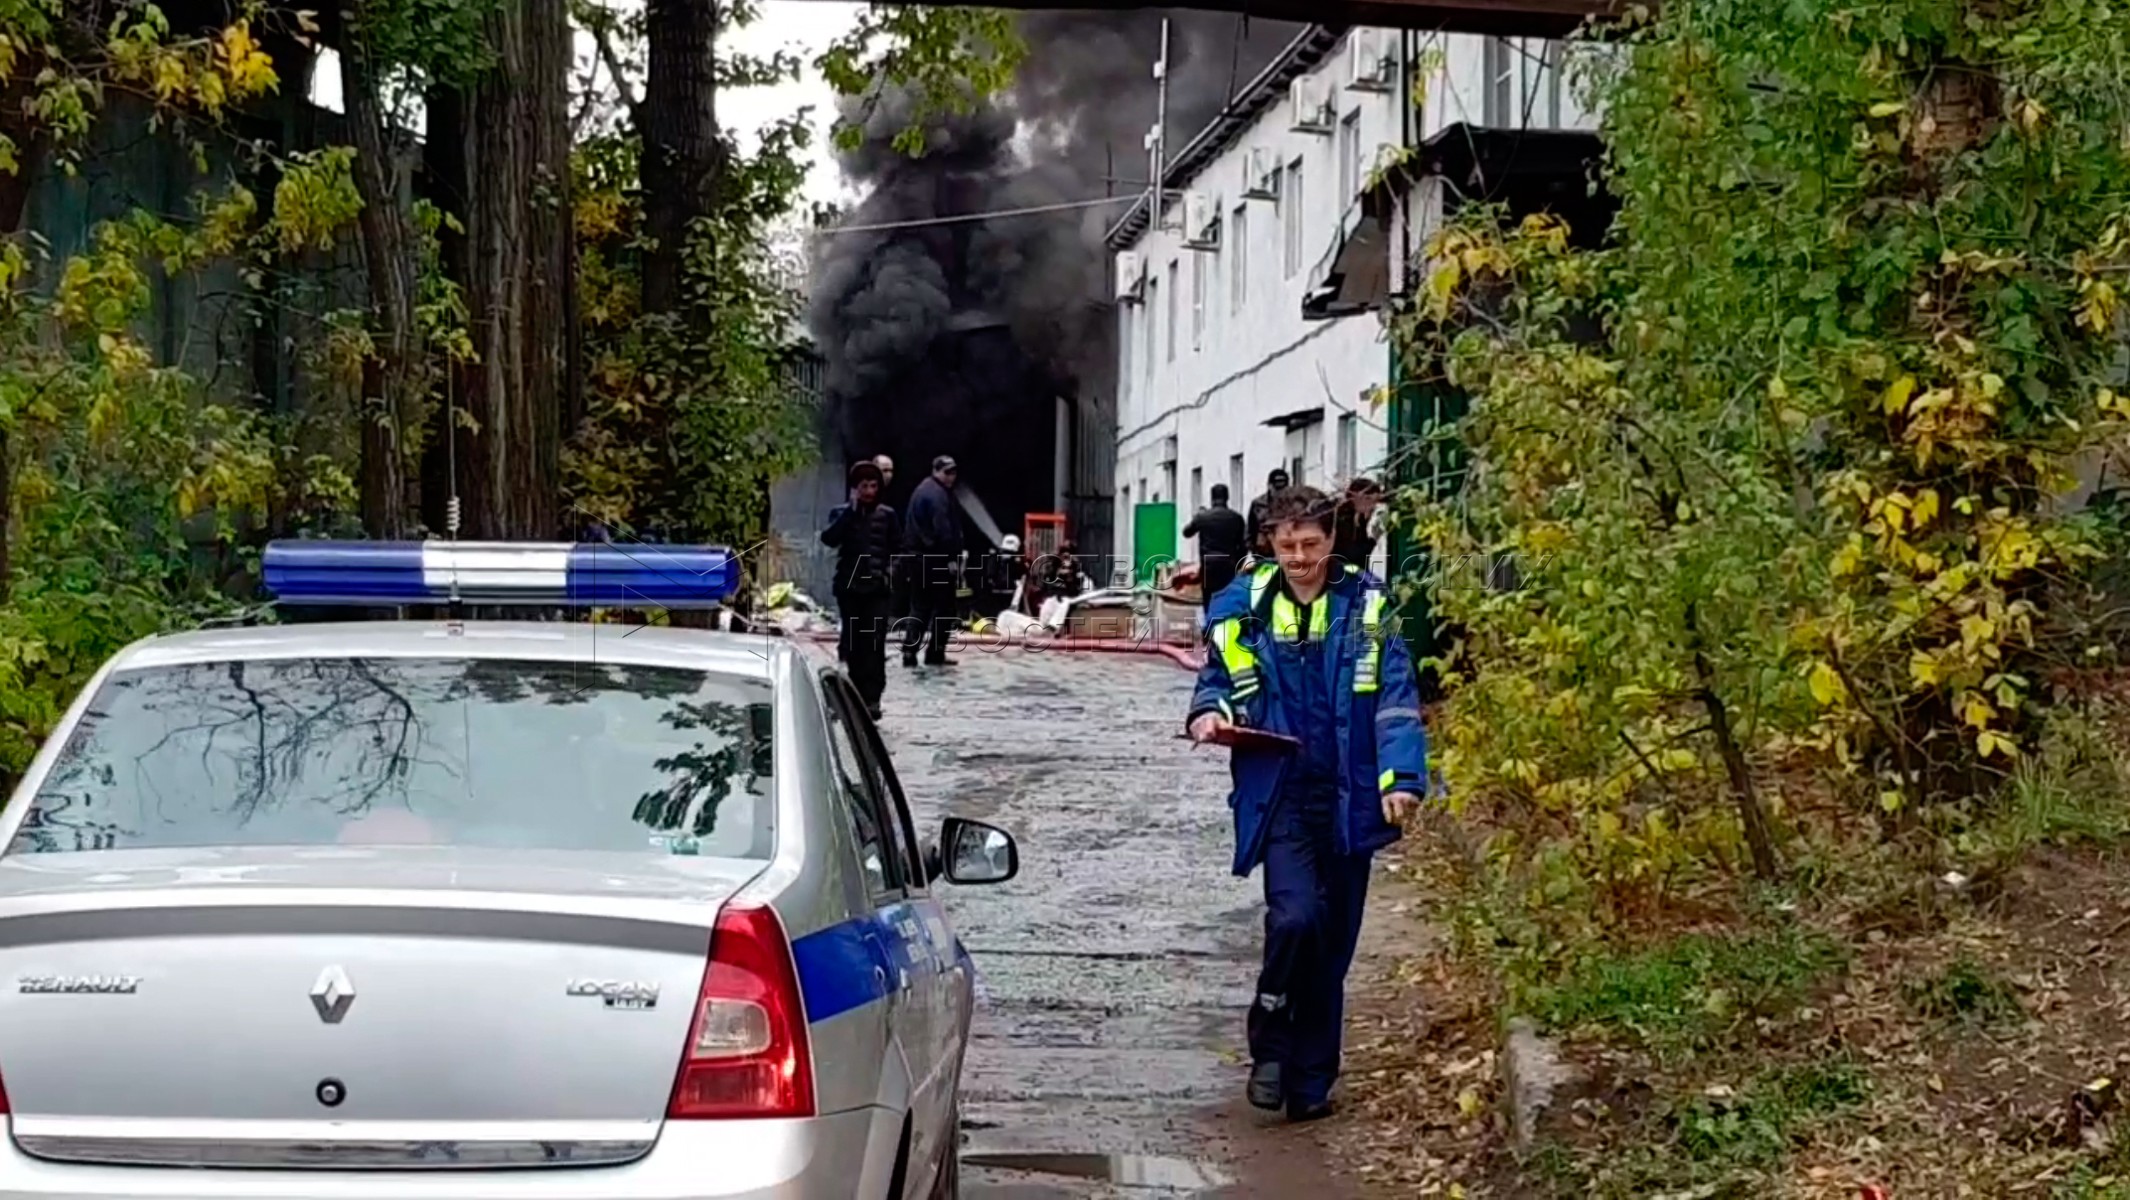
(1689, 995)
(1721, 1143)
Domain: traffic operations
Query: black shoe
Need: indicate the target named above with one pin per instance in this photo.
(1303, 1113)
(1264, 1090)
(874, 713)
(909, 662)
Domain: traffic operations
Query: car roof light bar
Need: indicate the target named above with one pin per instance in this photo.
(543, 574)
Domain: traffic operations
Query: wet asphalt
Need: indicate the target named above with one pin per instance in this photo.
(1115, 972)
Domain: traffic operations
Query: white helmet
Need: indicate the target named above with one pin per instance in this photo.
(1010, 544)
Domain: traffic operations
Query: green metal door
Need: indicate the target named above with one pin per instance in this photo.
(1153, 540)
(1425, 451)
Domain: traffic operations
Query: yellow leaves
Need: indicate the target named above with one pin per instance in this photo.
(1990, 743)
(2029, 113)
(1923, 669)
(1887, 108)
(249, 69)
(2098, 303)
(2112, 403)
(1897, 396)
(1976, 711)
(1976, 631)
(1826, 684)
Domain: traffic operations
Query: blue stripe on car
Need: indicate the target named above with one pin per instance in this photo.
(852, 964)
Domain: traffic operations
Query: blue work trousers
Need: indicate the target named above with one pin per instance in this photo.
(1313, 901)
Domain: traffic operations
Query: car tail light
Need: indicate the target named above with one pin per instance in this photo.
(747, 1046)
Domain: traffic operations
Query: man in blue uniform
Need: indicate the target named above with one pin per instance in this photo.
(1305, 647)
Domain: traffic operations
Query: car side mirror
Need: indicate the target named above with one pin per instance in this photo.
(975, 853)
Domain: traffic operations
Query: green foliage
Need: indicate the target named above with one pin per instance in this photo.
(1965, 991)
(690, 413)
(129, 488)
(423, 42)
(1692, 994)
(1782, 466)
(1723, 1142)
(71, 67)
(947, 60)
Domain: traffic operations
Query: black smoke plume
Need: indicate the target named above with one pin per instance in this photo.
(1071, 129)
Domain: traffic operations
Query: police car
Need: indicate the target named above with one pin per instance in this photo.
(463, 910)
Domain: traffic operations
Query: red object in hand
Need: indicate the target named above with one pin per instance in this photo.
(1872, 1191)
(1241, 737)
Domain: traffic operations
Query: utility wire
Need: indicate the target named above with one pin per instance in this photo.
(1033, 210)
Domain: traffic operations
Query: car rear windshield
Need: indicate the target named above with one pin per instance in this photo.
(414, 751)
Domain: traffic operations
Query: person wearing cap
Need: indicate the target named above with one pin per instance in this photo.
(1261, 537)
(866, 536)
(934, 538)
(1002, 573)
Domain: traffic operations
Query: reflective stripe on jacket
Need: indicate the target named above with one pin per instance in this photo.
(1382, 746)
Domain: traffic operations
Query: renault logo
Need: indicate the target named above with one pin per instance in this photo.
(332, 995)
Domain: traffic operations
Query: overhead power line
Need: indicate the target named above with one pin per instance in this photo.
(994, 214)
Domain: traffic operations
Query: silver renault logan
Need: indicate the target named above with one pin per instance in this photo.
(462, 910)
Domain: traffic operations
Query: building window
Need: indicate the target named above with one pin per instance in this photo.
(1498, 77)
(1146, 495)
(1239, 260)
(1305, 453)
(1349, 450)
(1170, 313)
(1349, 158)
(1198, 488)
(1200, 263)
(1153, 323)
(1126, 365)
(1290, 206)
(1236, 494)
(1168, 480)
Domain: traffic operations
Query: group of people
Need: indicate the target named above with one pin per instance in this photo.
(909, 572)
(886, 562)
(1228, 541)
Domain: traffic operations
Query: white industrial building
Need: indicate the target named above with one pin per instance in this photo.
(1248, 330)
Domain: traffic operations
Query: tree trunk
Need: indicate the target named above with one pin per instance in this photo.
(1751, 816)
(388, 260)
(683, 156)
(521, 267)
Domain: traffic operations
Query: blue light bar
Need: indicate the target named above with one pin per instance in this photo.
(586, 574)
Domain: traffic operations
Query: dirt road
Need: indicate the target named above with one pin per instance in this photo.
(1114, 973)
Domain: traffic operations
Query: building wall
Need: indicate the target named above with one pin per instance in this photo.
(1217, 345)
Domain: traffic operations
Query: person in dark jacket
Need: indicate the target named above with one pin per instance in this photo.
(1309, 649)
(1222, 542)
(866, 536)
(1261, 537)
(934, 538)
(1353, 539)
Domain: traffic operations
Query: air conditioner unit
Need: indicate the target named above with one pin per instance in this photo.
(1201, 221)
(1260, 175)
(1131, 277)
(1368, 67)
(1308, 108)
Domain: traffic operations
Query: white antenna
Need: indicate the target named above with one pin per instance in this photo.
(1160, 137)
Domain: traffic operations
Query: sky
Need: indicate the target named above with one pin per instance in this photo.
(804, 27)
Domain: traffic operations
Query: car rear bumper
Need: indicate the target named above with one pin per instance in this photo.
(823, 1158)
